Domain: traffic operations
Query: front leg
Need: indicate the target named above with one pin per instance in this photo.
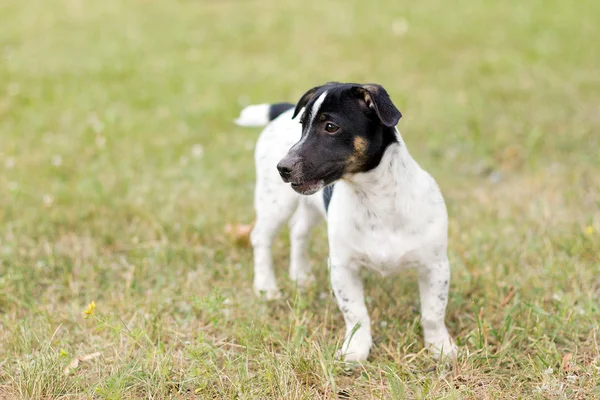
(273, 208)
(348, 290)
(434, 280)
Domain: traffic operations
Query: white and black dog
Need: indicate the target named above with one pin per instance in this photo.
(384, 212)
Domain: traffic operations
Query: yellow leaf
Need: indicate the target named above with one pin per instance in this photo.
(239, 233)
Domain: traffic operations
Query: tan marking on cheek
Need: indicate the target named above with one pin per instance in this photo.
(360, 145)
(359, 155)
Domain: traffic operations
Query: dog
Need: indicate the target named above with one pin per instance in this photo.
(345, 160)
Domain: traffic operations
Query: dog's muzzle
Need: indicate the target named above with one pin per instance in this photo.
(288, 170)
(285, 168)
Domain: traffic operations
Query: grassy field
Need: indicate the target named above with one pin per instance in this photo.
(120, 169)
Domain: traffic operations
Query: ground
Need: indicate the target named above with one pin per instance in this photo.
(120, 169)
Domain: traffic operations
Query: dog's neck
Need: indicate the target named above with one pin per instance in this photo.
(393, 179)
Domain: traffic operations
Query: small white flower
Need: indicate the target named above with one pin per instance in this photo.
(95, 123)
(400, 27)
(548, 371)
(197, 150)
(383, 324)
(47, 200)
(56, 160)
(572, 378)
(556, 297)
(9, 163)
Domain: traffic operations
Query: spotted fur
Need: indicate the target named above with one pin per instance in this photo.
(386, 213)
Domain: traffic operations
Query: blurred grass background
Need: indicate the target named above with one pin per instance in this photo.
(120, 167)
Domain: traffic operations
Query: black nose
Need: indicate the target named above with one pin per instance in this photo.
(285, 170)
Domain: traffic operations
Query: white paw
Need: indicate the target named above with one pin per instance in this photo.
(353, 355)
(267, 293)
(442, 348)
(356, 349)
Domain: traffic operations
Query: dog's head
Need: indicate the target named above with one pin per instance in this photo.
(346, 128)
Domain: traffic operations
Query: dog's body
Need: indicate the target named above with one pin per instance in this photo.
(383, 212)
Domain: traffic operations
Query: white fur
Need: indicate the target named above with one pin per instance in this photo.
(388, 219)
(254, 115)
(315, 109)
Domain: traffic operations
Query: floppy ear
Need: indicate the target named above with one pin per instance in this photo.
(379, 101)
(305, 99)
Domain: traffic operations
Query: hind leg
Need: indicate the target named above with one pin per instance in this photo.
(273, 208)
(301, 224)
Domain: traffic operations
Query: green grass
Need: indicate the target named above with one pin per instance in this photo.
(120, 167)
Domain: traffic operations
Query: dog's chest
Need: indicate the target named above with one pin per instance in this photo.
(361, 233)
(383, 250)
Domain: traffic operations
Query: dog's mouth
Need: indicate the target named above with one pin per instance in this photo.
(307, 187)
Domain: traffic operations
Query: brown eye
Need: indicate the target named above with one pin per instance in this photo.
(331, 128)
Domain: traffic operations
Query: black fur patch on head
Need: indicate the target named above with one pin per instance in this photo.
(277, 109)
(353, 126)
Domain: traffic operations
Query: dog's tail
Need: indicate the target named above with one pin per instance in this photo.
(261, 114)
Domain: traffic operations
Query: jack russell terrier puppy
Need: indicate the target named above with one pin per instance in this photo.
(346, 161)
